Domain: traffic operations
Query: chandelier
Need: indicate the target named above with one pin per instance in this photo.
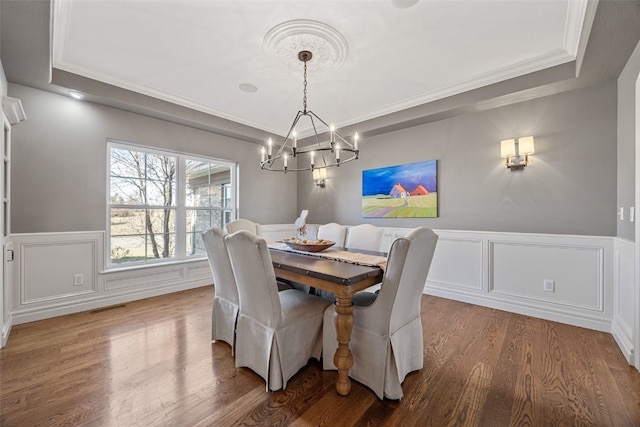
(312, 155)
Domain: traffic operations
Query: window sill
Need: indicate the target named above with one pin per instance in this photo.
(153, 265)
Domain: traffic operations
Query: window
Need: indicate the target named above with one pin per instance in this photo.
(160, 202)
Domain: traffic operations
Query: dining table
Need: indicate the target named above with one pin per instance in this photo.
(336, 271)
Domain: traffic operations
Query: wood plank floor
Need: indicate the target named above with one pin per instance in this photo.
(151, 363)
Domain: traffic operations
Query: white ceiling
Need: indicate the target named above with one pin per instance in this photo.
(198, 53)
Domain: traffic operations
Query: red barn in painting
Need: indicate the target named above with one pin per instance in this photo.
(398, 191)
(420, 190)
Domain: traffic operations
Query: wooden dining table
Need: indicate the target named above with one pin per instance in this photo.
(344, 280)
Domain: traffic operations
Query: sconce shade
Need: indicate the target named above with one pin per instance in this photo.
(319, 174)
(507, 148)
(517, 151)
(526, 146)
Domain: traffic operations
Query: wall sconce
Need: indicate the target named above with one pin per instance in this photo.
(319, 176)
(515, 149)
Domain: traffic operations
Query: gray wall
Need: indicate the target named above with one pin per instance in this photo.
(569, 189)
(627, 118)
(59, 163)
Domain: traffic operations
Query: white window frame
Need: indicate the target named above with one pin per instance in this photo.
(179, 206)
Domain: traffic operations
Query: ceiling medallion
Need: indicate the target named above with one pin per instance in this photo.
(285, 40)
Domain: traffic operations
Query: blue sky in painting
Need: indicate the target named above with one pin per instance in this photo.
(381, 181)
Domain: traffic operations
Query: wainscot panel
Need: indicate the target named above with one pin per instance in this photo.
(58, 269)
(574, 273)
(389, 235)
(140, 278)
(275, 232)
(514, 268)
(63, 273)
(458, 263)
(624, 301)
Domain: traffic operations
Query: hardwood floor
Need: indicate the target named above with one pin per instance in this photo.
(151, 363)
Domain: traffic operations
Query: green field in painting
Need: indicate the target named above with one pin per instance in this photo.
(382, 206)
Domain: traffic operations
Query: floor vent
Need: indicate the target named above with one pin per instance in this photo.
(100, 310)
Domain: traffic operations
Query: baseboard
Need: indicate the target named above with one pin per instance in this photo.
(555, 315)
(623, 340)
(6, 330)
(26, 315)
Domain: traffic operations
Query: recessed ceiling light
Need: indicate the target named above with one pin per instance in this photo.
(76, 95)
(248, 87)
(403, 4)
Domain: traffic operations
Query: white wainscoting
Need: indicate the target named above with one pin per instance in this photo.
(273, 232)
(624, 297)
(498, 270)
(6, 292)
(506, 271)
(46, 266)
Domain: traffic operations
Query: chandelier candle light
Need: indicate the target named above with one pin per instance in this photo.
(317, 154)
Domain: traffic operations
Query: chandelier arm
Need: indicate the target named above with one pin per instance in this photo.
(312, 114)
(349, 146)
(293, 125)
(313, 124)
(291, 129)
(324, 161)
(280, 151)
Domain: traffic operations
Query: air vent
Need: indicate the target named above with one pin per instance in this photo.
(100, 310)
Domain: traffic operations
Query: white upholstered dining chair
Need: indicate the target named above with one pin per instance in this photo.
(277, 332)
(333, 232)
(252, 227)
(386, 339)
(243, 224)
(224, 312)
(364, 236)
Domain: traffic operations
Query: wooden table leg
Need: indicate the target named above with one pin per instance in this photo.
(343, 359)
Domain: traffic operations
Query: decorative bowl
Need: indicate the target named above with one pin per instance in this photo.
(319, 246)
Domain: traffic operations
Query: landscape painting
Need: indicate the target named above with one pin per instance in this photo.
(404, 191)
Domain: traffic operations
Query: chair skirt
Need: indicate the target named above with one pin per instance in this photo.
(277, 354)
(380, 362)
(223, 320)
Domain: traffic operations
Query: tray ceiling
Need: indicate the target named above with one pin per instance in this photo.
(233, 59)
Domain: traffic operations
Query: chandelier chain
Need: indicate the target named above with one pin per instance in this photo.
(304, 98)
